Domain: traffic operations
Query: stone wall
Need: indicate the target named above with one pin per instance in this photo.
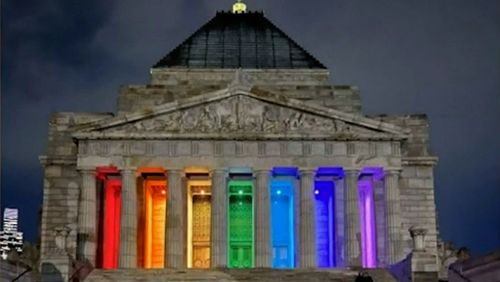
(418, 143)
(61, 190)
(168, 86)
(182, 76)
(418, 206)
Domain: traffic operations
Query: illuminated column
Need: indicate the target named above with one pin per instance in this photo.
(307, 220)
(263, 252)
(87, 226)
(218, 255)
(353, 235)
(174, 252)
(393, 215)
(128, 229)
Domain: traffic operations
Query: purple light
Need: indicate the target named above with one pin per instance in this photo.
(367, 216)
(316, 192)
(370, 240)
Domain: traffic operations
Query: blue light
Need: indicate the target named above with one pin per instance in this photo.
(325, 223)
(285, 171)
(282, 220)
(330, 171)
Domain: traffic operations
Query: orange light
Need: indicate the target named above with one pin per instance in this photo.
(155, 220)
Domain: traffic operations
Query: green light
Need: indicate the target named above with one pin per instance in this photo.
(240, 224)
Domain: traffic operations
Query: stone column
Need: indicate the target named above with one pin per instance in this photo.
(174, 247)
(218, 256)
(424, 265)
(128, 228)
(418, 238)
(353, 254)
(307, 233)
(263, 251)
(393, 203)
(87, 225)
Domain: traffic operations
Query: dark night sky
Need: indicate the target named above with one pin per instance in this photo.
(436, 57)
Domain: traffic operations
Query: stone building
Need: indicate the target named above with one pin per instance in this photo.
(239, 153)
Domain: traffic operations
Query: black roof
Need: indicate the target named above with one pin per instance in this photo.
(247, 40)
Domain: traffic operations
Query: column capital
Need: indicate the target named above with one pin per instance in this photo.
(307, 170)
(392, 171)
(174, 171)
(218, 171)
(352, 171)
(87, 169)
(127, 169)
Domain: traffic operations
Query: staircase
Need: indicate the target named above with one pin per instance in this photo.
(259, 274)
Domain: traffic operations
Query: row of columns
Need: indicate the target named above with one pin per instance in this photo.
(174, 249)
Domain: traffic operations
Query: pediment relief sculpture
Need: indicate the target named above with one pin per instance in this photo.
(241, 114)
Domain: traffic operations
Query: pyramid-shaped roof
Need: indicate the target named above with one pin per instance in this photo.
(247, 40)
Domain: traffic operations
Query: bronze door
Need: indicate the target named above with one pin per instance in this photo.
(201, 231)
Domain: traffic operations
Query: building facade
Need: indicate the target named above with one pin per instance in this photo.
(10, 238)
(239, 153)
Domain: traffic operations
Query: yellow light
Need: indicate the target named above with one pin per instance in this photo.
(198, 220)
(239, 7)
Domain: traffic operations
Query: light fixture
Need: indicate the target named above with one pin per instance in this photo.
(239, 7)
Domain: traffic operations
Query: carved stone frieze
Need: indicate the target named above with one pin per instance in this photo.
(242, 114)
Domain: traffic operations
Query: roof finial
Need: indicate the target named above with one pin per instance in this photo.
(239, 7)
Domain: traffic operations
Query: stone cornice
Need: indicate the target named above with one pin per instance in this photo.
(231, 71)
(420, 161)
(49, 160)
(235, 136)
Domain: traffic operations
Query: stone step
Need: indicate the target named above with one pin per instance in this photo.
(233, 275)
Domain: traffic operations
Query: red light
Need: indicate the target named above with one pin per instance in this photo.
(112, 209)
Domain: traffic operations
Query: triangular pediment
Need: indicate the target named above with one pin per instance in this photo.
(240, 114)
